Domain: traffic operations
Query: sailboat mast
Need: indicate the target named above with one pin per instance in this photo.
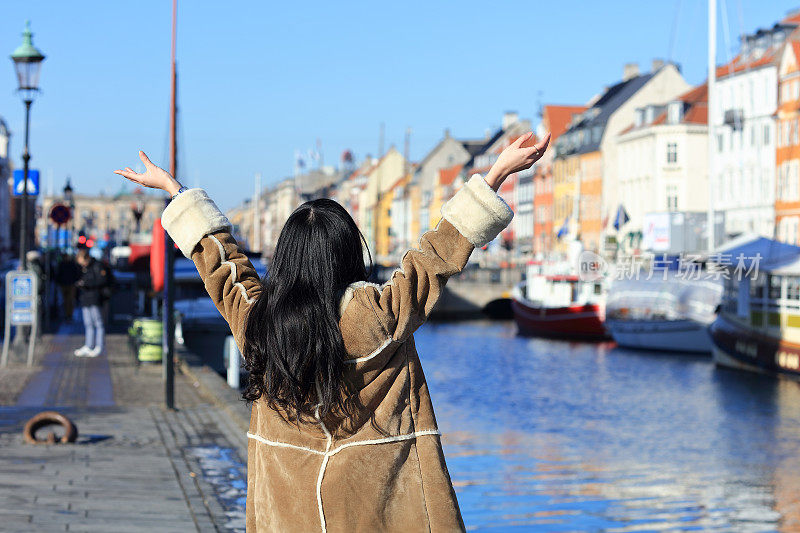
(173, 109)
(168, 307)
(712, 138)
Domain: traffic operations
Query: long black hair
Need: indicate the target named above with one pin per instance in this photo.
(293, 346)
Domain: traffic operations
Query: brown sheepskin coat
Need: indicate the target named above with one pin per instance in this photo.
(383, 469)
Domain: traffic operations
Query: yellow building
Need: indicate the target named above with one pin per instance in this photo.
(566, 177)
(373, 209)
(382, 235)
(415, 207)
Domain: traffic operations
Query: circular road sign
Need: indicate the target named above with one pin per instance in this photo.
(60, 214)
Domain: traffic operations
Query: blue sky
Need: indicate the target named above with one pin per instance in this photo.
(258, 80)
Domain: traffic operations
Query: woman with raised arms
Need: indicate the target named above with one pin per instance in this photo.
(342, 431)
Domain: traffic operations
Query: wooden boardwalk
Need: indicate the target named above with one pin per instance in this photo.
(135, 466)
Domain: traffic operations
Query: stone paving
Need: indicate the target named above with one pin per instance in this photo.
(136, 466)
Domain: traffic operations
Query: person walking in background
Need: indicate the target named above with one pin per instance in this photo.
(93, 285)
(34, 260)
(342, 430)
(67, 275)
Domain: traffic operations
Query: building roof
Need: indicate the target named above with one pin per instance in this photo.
(739, 64)
(558, 118)
(602, 109)
(792, 18)
(448, 175)
(695, 109)
(755, 52)
(765, 254)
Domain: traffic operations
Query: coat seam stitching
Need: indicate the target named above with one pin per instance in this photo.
(416, 449)
(224, 261)
(325, 459)
(334, 451)
(372, 354)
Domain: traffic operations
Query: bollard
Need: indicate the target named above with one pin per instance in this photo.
(232, 361)
(49, 418)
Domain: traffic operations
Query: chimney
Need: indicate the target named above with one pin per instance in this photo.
(509, 119)
(447, 133)
(630, 71)
(656, 65)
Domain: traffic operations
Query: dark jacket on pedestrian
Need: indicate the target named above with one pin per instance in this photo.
(68, 272)
(93, 283)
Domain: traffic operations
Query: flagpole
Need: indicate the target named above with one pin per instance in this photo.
(712, 82)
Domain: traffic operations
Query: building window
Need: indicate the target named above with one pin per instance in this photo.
(720, 143)
(675, 112)
(672, 197)
(672, 153)
(766, 135)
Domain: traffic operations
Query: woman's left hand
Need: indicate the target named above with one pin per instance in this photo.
(153, 176)
(519, 155)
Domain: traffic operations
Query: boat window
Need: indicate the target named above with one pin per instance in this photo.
(757, 286)
(774, 287)
(730, 296)
(598, 288)
(793, 287)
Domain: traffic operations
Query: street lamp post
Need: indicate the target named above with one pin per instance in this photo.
(27, 62)
(68, 198)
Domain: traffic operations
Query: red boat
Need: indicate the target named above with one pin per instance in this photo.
(562, 306)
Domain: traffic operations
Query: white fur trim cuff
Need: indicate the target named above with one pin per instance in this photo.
(477, 212)
(191, 216)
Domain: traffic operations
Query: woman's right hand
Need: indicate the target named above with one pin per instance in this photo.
(153, 176)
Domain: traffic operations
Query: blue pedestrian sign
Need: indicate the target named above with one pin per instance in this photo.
(22, 302)
(33, 182)
(22, 286)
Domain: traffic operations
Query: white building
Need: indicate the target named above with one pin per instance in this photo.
(662, 84)
(522, 223)
(744, 107)
(447, 153)
(663, 159)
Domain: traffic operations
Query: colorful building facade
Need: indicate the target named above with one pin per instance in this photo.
(787, 156)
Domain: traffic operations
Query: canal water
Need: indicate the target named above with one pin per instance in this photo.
(545, 435)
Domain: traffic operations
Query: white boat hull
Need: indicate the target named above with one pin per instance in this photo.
(666, 335)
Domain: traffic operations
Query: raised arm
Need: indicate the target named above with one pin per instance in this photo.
(202, 233)
(472, 218)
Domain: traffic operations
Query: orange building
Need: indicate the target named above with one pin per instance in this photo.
(591, 200)
(787, 193)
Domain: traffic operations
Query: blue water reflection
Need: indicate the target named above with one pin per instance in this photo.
(557, 436)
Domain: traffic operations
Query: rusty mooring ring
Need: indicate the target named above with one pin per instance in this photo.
(49, 418)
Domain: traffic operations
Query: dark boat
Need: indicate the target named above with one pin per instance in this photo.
(758, 326)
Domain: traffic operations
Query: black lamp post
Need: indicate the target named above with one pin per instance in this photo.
(137, 208)
(68, 193)
(70, 201)
(27, 62)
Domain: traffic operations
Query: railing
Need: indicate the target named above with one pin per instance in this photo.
(493, 275)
